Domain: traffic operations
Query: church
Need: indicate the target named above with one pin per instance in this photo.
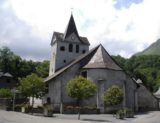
(70, 57)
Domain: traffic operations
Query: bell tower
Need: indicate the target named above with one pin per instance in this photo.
(66, 47)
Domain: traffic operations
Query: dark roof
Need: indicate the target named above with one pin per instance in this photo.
(101, 59)
(71, 64)
(139, 81)
(57, 36)
(71, 28)
(157, 93)
(5, 74)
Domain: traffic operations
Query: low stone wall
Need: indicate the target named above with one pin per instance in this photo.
(83, 111)
(5, 103)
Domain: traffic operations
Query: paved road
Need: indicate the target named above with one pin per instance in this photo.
(15, 117)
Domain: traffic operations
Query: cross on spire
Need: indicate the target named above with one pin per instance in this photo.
(71, 10)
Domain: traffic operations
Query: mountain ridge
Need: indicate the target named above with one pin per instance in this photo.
(153, 49)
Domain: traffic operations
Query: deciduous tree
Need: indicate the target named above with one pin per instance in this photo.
(32, 86)
(80, 88)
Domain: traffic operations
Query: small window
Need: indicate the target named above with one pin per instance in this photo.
(48, 100)
(84, 74)
(64, 61)
(70, 47)
(83, 51)
(8, 80)
(62, 48)
(77, 48)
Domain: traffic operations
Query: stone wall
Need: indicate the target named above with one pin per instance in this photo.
(146, 100)
(105, 78)
(5, 103)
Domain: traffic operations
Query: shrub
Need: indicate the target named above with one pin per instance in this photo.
(120, 114)
(113, 96)
(5, 93)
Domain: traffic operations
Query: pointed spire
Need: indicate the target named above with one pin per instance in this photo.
(71, 27)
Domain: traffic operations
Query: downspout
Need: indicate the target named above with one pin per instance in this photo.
(61, 99)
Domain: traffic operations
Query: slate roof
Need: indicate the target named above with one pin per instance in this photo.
(71, 28)
(98, 59)
(157, 93)
(139, 81)
(101, 59)
(57, 36)
(5, 74)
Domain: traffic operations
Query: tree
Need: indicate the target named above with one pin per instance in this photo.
(80, 88)
(6, 56)
(43, 69)
(32, 86)
(113, 96)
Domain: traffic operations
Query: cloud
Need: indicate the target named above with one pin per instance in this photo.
(123, 27)
(20, 37)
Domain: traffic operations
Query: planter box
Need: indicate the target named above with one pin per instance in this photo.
(83, 111)
(129, 115)
(5, 104)
(120, 116)
(48, 113)
(23, 109)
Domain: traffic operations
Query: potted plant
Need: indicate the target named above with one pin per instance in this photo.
(128, 113)
(120, 114)
(26, 108)
(48, 110)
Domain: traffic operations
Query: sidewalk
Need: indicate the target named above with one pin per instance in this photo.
(16, 117)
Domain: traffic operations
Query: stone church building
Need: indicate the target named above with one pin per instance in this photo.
(70, 56)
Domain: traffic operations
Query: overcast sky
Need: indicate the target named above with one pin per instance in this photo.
(124, 27)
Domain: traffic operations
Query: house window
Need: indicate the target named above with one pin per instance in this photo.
(84, 74)
(64, 61)
(83, 51)
(62, 48)
(70, 47)
(8, 80)
(77, 48)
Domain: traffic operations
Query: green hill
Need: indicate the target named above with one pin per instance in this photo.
(153, 49)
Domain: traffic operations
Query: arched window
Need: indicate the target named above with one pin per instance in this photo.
(62, 48)
(70, 47)
(77, 48)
